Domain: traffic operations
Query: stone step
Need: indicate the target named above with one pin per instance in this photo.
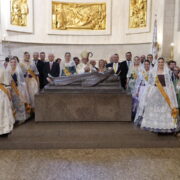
(74, 135)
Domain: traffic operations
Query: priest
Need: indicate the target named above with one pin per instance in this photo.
(84, 66)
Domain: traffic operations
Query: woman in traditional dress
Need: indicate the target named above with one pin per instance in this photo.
(31, 75)
(68, 66)
(133, 73)
(6, 112)
(140, 87)
(16, 58)
(19, 92)
(160, 104)
(131, 81)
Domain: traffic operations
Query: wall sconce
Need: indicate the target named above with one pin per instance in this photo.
(172, 51)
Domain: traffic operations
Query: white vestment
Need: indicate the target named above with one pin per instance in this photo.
(81, 68)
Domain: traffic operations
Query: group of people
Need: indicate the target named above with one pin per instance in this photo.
(155, 89)
(21, 80)
(154, 86)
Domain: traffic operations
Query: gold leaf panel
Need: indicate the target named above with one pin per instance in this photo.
(19, 12)
(78, 16)
(138, 14)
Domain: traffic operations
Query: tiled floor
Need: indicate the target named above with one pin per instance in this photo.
(97, 164)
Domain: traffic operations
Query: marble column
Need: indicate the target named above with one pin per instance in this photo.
(1, 46)
(1, 53)
(177, 32)
(168, 29)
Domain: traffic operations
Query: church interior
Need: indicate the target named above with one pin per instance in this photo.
(89, 89)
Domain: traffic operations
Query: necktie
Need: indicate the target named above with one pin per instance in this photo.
(115, 67)
(128, 64)
(51, 65)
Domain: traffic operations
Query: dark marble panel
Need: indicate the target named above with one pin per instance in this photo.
(88, 106)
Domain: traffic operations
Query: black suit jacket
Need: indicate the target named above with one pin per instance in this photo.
(55, 70)
(111, 65)
(123, 73)
(40, 67)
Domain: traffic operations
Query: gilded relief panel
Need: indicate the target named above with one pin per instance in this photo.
(19, 12)
(78, 16)
(138, 14)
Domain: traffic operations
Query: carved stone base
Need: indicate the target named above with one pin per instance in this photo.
(74, 103)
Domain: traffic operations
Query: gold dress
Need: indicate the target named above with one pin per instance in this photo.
(20, 96)
(6, 112)
(31, 77)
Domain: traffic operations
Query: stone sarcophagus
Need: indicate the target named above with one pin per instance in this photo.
(79, 100)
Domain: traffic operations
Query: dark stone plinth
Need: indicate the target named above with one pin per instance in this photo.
(105, 102)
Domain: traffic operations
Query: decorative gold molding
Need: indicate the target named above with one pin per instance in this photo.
(78, 16)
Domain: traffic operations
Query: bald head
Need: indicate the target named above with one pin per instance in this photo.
(51, 57)
(115, 58)
(35, 55)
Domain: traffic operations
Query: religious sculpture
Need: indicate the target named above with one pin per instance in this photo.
(19, 12)
(81, 16)
(138, 14)
(86, 79)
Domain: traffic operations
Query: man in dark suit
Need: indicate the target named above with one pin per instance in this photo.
(150, 58)
(124, 69)
(40, 66)
(115, 64)
(51, 68)
(172, 67)
(43, 56)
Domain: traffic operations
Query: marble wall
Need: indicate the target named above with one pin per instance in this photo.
(102, 45)
(1, 53)
(99, 51)
(177, 32)
(119, 12)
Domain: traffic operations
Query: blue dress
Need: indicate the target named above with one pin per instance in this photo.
(68, 69)
(20, 108)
